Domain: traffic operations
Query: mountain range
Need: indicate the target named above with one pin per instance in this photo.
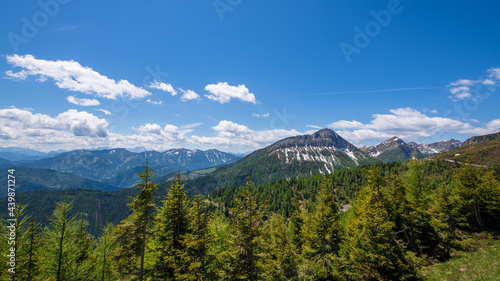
(322, 152)
(395, 149)
(117, 167)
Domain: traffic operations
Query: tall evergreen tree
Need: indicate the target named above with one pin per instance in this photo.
(469, 203)
(219, 247)
(323, 236)
(195, 242)
(59, 252)
(281, 262)
(171, 226)
(424, 238)
(371, 248)
(132, 233)
(248, 226)
(83, 246)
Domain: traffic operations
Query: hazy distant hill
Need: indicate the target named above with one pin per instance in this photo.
(34, 179)
(119, 167)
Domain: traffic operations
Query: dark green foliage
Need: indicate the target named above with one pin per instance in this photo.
(248, 236)
(132, 233)
(402, 216)
(171, 224)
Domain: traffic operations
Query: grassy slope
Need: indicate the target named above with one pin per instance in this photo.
(482, 153)
(482, 264)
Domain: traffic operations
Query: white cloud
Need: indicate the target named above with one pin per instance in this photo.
(223, 93)
(425, 109)
(314, 127)
(163, 87)
(19, 123)
(154, 102)
(70, 75)
(264, 115)
(462, 88)
(494, 73)
(106, 112)
(460, 93)
(406, 123)
(189, 95)
(168, 132)
(83, 102)
(234, 134)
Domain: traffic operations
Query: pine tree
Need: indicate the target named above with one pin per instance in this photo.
(195, 243)
(489, 201)
(467, 182)
(281, 264)
(323, 236)
(219, 247)
(29, 265)
(247, 242)
(132, 233)
(59, 257)
(296, 227)
(424, 238)
(171, 226)
(83, 245)
(371, 248)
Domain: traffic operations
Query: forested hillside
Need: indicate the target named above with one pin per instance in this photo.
(402, 217)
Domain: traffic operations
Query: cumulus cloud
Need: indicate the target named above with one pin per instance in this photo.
(234, 134)
(72, 76)
(83, 102)
(189, 95)
(168, 132)
(223, 93)
(163, 87)
(19, 123)
(74, 129)
(406, 123)
(154, 102)
(463, 88)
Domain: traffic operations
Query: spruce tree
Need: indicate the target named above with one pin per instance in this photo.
(281, 262)
(371, 248)
(195, 243)
(323, 236)
(132, 233)
(248, 225)
(219, 247)
(469, 203)
(424, 238)
(171, 226)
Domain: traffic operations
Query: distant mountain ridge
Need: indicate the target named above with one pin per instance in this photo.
(17, 153)
(395, 149)
(119, 167)
(479, 139)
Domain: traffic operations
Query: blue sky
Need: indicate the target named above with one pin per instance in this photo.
(238, 75)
